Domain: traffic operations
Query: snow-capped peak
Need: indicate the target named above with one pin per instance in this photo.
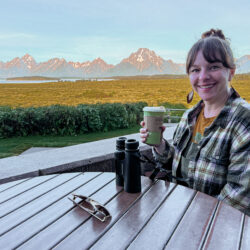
(28, 59)
(143, 59)
(140, 58)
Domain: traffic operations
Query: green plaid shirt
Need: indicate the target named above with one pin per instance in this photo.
(221, 165)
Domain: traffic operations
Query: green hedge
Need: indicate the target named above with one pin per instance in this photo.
(68, 120)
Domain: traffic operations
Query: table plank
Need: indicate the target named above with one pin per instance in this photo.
(126, 229)
(226, 228)
(33, 193)
(66, 184)
(195, 223)
(47, 216)
(245, 243)
(93, 229)
(10, 184)
(161, 226)
(52, 235)
(23, 187)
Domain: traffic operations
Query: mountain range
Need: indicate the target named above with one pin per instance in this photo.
(141, 62)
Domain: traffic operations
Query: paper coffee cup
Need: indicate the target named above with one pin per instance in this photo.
(153, 118)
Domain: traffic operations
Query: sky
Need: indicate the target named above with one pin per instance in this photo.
(82, 30)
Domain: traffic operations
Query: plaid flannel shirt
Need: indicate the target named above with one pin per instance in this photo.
(221, 166)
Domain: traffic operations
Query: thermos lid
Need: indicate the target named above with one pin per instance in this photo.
(131, 144)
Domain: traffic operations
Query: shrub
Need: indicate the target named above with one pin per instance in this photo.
(113, 116)
(68, 120)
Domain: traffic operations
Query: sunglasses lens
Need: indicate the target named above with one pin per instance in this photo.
(87, 205)
(103, 210)
(92, 207)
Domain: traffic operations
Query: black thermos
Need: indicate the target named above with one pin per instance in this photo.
(119, 160)
(132, 167)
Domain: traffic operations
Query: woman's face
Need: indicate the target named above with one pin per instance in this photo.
(210, 80)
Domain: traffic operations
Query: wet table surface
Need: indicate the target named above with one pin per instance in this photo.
(35, 213)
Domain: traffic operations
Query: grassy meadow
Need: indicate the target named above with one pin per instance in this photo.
(154, 91)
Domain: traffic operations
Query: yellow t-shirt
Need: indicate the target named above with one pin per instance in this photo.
(200, 126)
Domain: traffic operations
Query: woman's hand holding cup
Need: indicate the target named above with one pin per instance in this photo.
(152, 124)
(144, 135)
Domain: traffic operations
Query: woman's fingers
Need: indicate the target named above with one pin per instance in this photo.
(142, 123)
(143, 132)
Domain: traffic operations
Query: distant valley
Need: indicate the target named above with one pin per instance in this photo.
(140, 63)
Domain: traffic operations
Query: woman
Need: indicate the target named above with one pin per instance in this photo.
(211, 145)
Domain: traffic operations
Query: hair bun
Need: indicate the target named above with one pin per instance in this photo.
(213, 32)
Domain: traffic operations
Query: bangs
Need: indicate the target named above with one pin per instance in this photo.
(214, 51)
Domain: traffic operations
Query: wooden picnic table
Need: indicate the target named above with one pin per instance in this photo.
(36, 214)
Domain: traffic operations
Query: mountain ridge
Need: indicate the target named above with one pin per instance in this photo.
(142, 62)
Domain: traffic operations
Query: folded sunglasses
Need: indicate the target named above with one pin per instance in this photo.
(91, 206)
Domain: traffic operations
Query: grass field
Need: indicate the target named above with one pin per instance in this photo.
(16, 145)
(154, 91)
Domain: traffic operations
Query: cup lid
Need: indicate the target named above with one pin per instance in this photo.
(154, 109)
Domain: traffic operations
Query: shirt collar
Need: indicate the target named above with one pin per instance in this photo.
(223, 117)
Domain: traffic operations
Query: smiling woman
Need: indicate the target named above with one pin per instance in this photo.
(211, 145)
(210, 66)
(210, 81)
